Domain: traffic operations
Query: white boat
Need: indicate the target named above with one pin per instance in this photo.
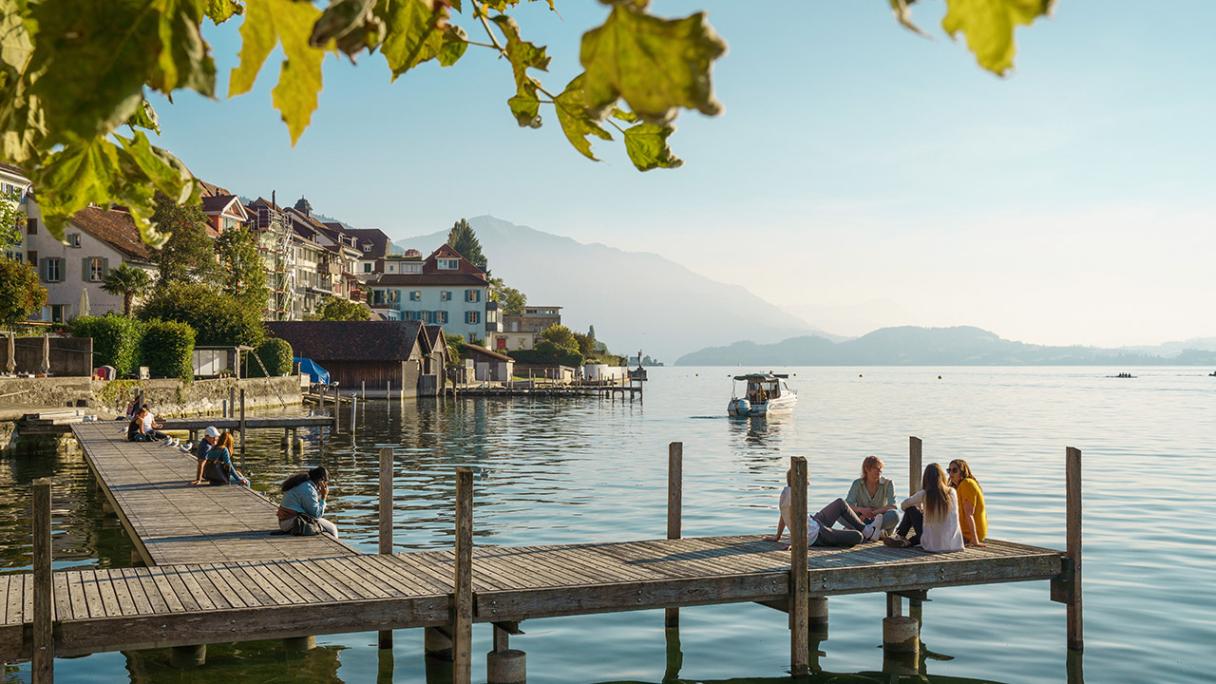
(766, 393)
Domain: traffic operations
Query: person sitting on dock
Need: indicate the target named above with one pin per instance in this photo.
(152, 425)
(931, 515)
(819, 530)
(211, 438)
(303, 505)
(218, 469)
(873, 496)
(974, 521)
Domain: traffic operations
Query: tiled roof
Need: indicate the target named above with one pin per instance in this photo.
(213, 190)
(324, 341)
(217, 202)
(373, 236)
(15, 170)
(424, 279)
(475, 350)
(446, 251)
(114, 228)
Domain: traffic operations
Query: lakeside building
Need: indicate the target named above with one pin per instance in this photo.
(445, 289)
(14, 188)
(487, 365)
(520, 331)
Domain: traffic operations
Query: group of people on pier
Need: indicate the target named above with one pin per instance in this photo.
(946, 514)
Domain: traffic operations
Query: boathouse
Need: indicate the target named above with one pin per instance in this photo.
(488, 366)
(371, 355)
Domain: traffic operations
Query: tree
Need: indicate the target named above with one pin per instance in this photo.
(337, 309)
(561, 337)
(20, 292)
(510, 301)
(12, 218)
(243, 267)
(586, 345)
(74, 72)
(187, 254)
(454, 343)
(217, 318)
(462, 239)
(128, 281)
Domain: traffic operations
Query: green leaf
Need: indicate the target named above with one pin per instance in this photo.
(525, 105)
(351, 24)
(988, 26)
(656, 65)
(646, 144)
(271, 22)
(414, 32)
(183, 60)
(74, 177)
(16, 45)
(455, 43)
(523, 55)
(624, 115)
(145, 117)
(222, 10)
(162, 170)
(576, 122)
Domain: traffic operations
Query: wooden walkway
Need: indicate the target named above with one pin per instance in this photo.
(171, 521)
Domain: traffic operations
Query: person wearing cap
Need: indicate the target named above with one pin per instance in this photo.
(210, 438)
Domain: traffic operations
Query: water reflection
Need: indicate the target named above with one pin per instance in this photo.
(253, 661)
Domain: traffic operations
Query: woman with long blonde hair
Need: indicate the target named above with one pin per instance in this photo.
(930, 515)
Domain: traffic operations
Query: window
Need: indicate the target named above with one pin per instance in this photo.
(379, 298)
(448, 264)
(57, 313)
(73, 239)
(32, 256)
(415, 295)
(472, 317)
(367, 267)
(93, 269)
(367, 247)
(52, 270)
(445, 295)
(472, 295)
(31, 226)
(441, 317)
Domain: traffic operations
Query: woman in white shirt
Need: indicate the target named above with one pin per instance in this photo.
(930, 515)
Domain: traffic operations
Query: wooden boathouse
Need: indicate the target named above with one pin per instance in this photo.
(213, 574)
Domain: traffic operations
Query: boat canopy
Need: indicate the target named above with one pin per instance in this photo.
(762, 376)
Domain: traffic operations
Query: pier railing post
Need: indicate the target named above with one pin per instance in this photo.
(1072, 479)
(462, 585)
(242, 428)
(799, 581)
(914, 466)
(43, 667)
(675, 509)
(386, 521)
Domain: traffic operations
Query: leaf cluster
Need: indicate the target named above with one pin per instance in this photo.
(116, 340)
(217, 318)
(338, 309)
(128, 282)
(242, 267)
(20, 292)
(12, 218)
(275, 355)
(167, 349)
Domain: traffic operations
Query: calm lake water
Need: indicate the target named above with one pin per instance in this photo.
(555, 471)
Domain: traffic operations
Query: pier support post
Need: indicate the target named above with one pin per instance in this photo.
(386, 522)
(106, 508)
(137, 561)
(462, 585)
(286, 441)
(354, 413)
(817, 615)
(304, 643)
(231, 401)
(675, 508)
(914, 467)
(242, 429)
(1072, 479)
(189, 656)
(799, 580)
(437, 643)
(42, 670)
(900, 634)
(296, 441)
(505, 665)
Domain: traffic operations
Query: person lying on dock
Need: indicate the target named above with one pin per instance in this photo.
(930, 516)
(873, 496)
(218, 468)
(303, 505)
(972, 519)
(819, 530)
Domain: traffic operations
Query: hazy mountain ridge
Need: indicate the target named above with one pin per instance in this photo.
(911, 345)
(634, 299)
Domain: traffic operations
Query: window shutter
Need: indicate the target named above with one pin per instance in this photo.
(42, 267)
(105, 267)
(86, 272)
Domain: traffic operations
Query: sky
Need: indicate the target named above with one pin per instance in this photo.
(860, 176)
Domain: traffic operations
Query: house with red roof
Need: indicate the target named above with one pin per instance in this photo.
(446, 290)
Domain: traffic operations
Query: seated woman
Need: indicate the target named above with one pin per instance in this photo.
(304, 495)
(931, 515)
(873, 496)
(218, 468)
(135, 428)
(819, 530)
(970, 503)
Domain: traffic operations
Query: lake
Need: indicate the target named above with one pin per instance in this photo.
(556, 471)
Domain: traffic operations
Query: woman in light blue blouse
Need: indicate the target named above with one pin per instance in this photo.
(304, 494)
(873, 496)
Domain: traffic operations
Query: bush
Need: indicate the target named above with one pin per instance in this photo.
(21, 295)
(275, 355)
(116, 340)
(217, 319)
(168, 349)
(547, 352)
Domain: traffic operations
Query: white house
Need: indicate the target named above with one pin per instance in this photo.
(446, 290)
(14, 187)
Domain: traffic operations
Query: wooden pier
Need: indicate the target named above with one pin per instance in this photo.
(272, 586)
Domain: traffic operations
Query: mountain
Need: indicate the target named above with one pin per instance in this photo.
(1172, 349)
(634, 299)
(912, 346)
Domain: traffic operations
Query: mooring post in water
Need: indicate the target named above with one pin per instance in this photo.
(675, 507)
(231, 401)
(799, 581)
(43, 667)
(354, 411)
(1072, 479)
(505, 665)
(462, 585)
(386, 521)
(363, 389)
(242, 428)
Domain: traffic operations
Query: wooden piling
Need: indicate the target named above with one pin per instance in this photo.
(231, 401)
(337, 413)
(354, 411)
(242, 428)
(799, 580)
(675, 507)
(363, 389)
(914, 466)
(1072, 479)
(462, 585)
(386, 521)
(43, 667)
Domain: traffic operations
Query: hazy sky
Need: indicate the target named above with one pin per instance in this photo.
(860, 176)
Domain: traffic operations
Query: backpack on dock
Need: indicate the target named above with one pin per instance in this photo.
(305, 526)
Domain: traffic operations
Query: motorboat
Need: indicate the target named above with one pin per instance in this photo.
(765, 393)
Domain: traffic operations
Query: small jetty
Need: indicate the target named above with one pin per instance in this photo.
(213, 572)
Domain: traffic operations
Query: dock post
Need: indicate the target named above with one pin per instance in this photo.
(354, 412)
(223, 408)
(1072, 480)
(296, 441)
(505, 665)
(817, 616)
(231, 401)
(304, 643)
(337, 413)
(42, 670)
(242, 428)
(462, 585)
(799, 580)
(386, 521)
(189, 656)
(363, 389)
(914, 467)
(675, 507)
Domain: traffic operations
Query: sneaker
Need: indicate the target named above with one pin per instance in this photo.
(896, 542)
(187, 446)
(872, 530)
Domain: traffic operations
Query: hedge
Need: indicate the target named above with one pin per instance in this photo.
(218, 319)
(275, 355)
(168, 349)
(547, 352)
(116, 341)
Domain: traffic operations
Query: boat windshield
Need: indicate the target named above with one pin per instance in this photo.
(760, 391)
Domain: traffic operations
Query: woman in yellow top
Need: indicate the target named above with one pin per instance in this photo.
(971, 514)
